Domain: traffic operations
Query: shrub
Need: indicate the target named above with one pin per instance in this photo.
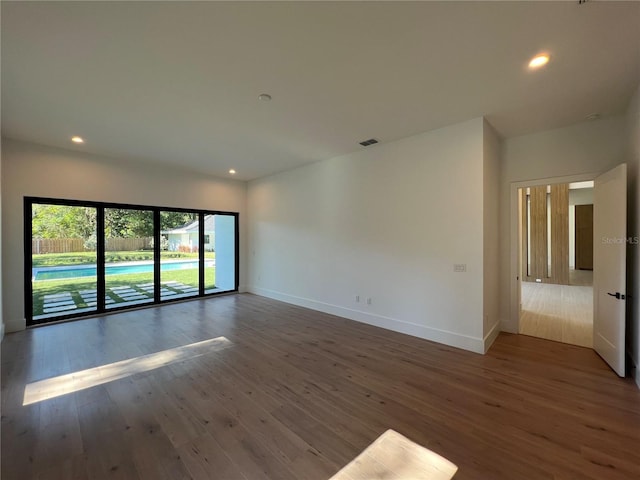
(91, 242)
(164, 243)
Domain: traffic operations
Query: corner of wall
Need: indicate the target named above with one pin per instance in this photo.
(491, 336)
(491, 180)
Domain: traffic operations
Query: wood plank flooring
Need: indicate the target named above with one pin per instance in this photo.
(563, 313)
(298, 394)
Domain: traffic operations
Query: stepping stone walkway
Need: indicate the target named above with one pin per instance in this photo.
(58, 302)
(147, 287)
(129, 294)
(90, 297)
(63, 302)
(181, 286)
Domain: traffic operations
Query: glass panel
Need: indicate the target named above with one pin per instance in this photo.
(179, 256)
(128, 269)
(220, 253)
(63, 260)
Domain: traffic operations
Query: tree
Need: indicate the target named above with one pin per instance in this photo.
(128, 223)
(169, 220)
(62, 221)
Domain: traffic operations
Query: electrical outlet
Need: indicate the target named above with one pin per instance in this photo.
(459, 267)
(368, 301)
(357, 298)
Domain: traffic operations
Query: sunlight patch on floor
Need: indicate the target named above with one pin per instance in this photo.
(393, 456)
(76, 381)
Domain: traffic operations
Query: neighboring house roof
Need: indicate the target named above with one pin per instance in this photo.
(192, 227)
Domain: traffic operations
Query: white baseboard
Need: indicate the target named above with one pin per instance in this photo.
(473, 344)
(490, 337)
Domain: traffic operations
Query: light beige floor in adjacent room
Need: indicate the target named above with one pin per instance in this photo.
(563, 313)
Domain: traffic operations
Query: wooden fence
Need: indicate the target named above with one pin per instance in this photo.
(70, 245)
(128, 244)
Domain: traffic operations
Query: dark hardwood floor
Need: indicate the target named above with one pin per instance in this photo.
(297, 394)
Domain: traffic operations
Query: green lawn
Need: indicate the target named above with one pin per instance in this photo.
(74, 285)
(88, 258)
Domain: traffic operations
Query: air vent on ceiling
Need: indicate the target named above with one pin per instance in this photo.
(371, 141)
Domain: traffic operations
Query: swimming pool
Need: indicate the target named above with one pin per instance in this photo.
(90, 270)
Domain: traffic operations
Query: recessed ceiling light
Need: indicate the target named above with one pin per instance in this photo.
(539, 61)
(232, 171)
(77, 139)
(265, 97)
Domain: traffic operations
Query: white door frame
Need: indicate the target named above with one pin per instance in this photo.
(514, 234)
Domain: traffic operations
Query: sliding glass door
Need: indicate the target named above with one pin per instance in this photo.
(220, 253)
(88, 257)
(180, 255)
(128, 257)
(63, 260)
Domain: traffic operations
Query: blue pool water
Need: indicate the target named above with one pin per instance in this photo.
(90, 270)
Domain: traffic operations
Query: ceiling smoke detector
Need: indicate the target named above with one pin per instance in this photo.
(371, 141)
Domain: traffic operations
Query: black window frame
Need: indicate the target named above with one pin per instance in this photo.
(100, 252)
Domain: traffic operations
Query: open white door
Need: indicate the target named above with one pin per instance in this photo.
(609, 266)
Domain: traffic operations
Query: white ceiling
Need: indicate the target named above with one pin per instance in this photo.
(177, 82)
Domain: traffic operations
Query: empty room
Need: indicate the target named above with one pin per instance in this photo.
(320, 240)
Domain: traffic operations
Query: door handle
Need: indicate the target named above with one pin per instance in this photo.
(618, 295)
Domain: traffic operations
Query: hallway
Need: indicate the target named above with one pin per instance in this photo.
(563, 313)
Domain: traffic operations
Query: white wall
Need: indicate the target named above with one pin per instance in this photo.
(386, 223)
(33, 170)
(491, 179)
(589, 147)
(633, 230)
(578, 196)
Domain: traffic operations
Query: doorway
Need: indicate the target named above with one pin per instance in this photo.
(556, 261)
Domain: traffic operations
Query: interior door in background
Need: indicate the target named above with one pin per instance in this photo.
(584, 237)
